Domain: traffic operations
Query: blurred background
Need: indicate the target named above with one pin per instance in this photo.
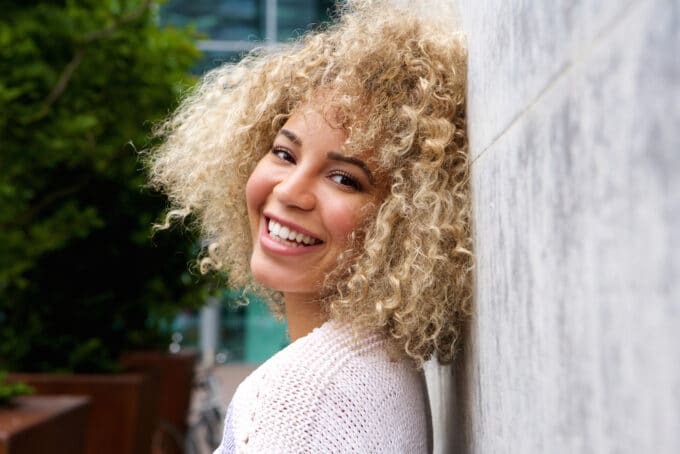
(81, 85)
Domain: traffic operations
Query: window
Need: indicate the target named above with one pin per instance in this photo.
(234, 27)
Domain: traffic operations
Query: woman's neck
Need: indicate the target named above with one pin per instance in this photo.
(303, 315)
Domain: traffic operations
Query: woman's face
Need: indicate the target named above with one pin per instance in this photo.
(304, 199)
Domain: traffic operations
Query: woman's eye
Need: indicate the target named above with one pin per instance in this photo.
(283, 154)
(346, 180)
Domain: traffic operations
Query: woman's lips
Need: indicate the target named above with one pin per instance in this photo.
(274, 242)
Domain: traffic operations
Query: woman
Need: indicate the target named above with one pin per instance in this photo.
(333, 175)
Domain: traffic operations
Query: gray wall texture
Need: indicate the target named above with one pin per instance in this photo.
(574, 122)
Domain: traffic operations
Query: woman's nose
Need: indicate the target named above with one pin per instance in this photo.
(296, 190)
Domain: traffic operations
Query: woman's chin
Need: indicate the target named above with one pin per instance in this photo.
(291, 290)
(276, 280)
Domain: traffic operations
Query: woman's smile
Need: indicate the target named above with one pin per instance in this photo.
(280, 237)
(304, 199)
(289, 236)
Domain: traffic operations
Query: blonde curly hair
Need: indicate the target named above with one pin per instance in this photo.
(398, 85)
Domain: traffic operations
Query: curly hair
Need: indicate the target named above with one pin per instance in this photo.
(399, 84)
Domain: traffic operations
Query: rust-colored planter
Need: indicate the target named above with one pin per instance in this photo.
(122, 413)
(175, 375)
(44, 424)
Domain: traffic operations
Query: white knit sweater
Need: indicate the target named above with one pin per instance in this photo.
(329, 392)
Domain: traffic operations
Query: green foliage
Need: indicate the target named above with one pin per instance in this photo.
(80, 277)
(11, 390)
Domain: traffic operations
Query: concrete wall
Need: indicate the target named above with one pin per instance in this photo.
(574, 122)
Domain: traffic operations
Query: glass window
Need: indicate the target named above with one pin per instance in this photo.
(294, 17)
(231, 28)
(230, 20)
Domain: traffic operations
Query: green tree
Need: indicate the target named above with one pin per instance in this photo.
(81, 83)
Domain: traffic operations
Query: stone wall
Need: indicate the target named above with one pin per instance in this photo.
(574, 122)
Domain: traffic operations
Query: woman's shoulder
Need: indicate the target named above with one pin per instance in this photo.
(334, 353)
(329, 379)
(333, 356)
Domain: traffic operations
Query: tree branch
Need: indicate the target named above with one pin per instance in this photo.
(70, 68)
(66, 75)
(108, 31)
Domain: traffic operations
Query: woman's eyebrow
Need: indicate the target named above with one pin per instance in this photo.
(290, 135)
(335, 156)
(357, 162)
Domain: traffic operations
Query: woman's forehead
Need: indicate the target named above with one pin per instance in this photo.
(312, 124)
(312, 116)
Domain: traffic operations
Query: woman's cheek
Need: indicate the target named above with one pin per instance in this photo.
(257, 187)
(344, 218)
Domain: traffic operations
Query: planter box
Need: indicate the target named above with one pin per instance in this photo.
(122, 414)
(175, 377)
(44, 424)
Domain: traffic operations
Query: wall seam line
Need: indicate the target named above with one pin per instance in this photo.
(566, 68)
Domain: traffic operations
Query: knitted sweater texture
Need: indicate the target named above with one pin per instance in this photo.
(329, 392)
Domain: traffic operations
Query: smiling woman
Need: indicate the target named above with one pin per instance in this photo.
(304, 200)
(354, 219)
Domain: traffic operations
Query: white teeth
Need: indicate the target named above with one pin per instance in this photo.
(288, 236)
(283, 233)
